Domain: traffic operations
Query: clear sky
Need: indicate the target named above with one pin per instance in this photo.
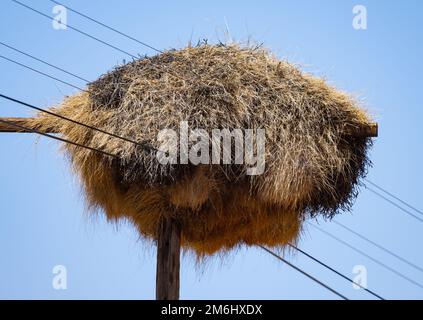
(43, 222)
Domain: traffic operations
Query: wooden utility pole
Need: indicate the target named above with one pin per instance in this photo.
(168, 260)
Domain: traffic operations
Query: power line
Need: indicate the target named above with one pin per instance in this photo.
(335, 271)
(395, 197)
(379, 246)
(42, 73)
(75, 29)
(394, 204)
(368, 256)
(144, 145)
(56, 67)
(93, 37)
(303, 272)
(57, 138)
(43, 61)
(107, 26)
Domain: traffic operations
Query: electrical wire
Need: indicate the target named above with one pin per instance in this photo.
(394, 196)
(394, 204)
(379, 246)
(56, 138)
(334, 271)
(143, 145)
(75, 29)
(368, 256)
(43, 61)
(303, 272)
(40, 72)
(107, 26)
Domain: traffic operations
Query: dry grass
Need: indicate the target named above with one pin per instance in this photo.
(312, 165)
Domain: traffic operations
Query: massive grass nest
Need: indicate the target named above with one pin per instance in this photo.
(313, 165)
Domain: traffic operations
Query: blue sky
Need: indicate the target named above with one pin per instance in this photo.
(43, 222)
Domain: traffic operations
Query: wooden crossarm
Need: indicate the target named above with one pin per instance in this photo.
(370, 130)
(16, 124)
